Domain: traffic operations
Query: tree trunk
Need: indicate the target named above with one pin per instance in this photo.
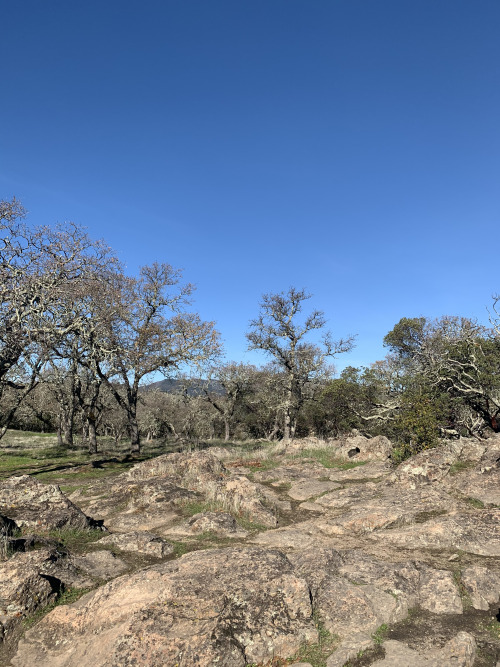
(227, 432)
(67, 428)
(135, 440)
(92, 437)
(286, 426)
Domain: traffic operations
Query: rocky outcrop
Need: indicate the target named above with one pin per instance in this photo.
(458, 652)
(228, 607)
(34, 505)
(141, 542)
(220, 524)
(346, 551)
(25, 587)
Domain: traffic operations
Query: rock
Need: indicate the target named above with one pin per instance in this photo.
(100, 564)
(24, 588)
(476, 533)
(373, 470)
(344, 607)
(241, 495)
(349, 649)
(458, 652)
(306, 489)
(220, 523)
(188, 469)
(290, 473)
(399, 579)
(438, 592)
(479, 484)
(229, 607)
(360, 447)
(40, 506)
(427, 467)
(315, 565)
(128, 506)
(140, 542)
(482, 585)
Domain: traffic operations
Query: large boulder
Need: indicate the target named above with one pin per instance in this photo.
(140, 542)
(358, 446)
(25, 587)
(458, 652)
(38, 506)
(226, 607)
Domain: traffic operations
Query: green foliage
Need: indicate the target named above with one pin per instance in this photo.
(407, 337)
(417, 424)
(380, 634)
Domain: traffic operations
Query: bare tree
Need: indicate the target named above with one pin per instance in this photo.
(225, 387)
(40, 269)
(278, 331)
(147, 331)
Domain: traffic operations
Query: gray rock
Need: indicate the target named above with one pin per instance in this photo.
(100, 564)
(230, 607)
(438, 592)
(310, 488)
(458, 652)
(40, 506)
(349, 649)
(140, 542)
(483, 586)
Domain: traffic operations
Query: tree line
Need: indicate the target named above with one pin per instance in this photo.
(81, 341)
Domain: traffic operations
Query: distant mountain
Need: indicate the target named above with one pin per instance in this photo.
(192, 387)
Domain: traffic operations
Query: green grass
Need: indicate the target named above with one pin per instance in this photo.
(318, 653)
(475, 502)
(329, 459)
(459, 466)
(243, 519)
(68, 596)
(380, 634)
(75, 539)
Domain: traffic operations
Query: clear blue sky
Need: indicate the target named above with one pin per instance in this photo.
(347, 146)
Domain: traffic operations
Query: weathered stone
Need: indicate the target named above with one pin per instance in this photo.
(373, 470)
(360, 447)
(229, 607)
(40, 506)
(310, 488)
(315, 565)
(349, 649)
(183, 467)
(482, 585)
(24, 588)
(477, 533)
(140, 542)
(438, 592)
(100, 564)
(427, 467)
(458, 652)
(345, 607)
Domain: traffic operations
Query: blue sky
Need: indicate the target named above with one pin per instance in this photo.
(349, 147)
